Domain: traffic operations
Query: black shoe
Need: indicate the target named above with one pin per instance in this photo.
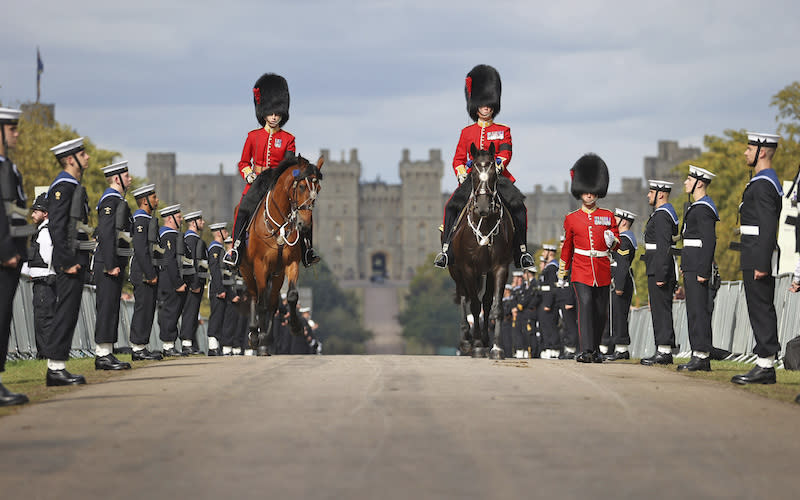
(585, 357)
(567, 355)
(310, 257)
(616, 355)
(215, 352)
(441, 260)
(145, 355)
(526, 261)
(63, 377)
(757, 375)
(109, 362)
(659, 358)
(8, 398)
(172, 352)
(188, 350)
(597, 357)
(696, 364)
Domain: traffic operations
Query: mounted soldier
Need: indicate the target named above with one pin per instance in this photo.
(482, 90)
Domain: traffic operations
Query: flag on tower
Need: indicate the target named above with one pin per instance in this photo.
(39, 71)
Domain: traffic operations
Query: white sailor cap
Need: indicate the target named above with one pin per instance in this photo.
(562, 238)
(549, 247)
(218, 226)
(283, 295)
(67, 148)
(9, 116)
(701, 173)
(228, 240)
(517, 274)
(115, 168)
(304, 309)
(656, 185)
(143, 191)
(541, 259)
(625, 214)
(197, 214)
(766, 140)
(170, 210)
(509, 287)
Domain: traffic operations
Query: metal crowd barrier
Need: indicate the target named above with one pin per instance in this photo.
(22, 344)
(730, 323)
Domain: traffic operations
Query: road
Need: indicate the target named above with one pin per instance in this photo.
(380, 316)
(387, 427)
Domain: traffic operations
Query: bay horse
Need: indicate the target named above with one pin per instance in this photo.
(482, 251)
(273, 252)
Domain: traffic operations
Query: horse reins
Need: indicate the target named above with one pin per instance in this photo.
(484, 239)
(294, 208)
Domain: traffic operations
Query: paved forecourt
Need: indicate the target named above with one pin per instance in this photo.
(400, 427)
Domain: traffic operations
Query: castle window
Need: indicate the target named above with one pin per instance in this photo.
(421, 233)
(379, 234)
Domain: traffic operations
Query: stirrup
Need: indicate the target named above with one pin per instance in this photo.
(310, 257)
(231, 258)
(441, 260)
(526, 261)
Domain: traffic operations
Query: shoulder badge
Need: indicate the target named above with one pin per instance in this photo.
(139, 229)
(169, 244)
(107, 210)
(58, 195)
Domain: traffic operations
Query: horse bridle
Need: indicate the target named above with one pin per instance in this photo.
(483, 188)
(290, 220)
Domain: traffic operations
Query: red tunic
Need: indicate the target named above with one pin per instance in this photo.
(585, 247)
(482, 134)
(264, 148)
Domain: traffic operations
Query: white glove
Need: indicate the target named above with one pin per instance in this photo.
(608, 235)
(250, 178)
(462, 178)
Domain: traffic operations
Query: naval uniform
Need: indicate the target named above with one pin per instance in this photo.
(660, 262)
(169, 280)
(548, 318)
(71, 246)
(113, 229)
(13, 241)
(144, 266)
(216, 286)
(196, 252)
(565, 296)
(697, 255)
(618, 333)
(759, 214)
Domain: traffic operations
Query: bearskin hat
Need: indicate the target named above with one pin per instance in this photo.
(589, 175)
(271, 95)
(482, 87)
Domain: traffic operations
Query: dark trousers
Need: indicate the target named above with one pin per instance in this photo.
(549, 328)
(760, 295)
(661, 311)
(698, 312)
(230, 327)
(109, 291)
(144, 310)
(191, 309)
(506, 335)
(216, 319)
(240, 334)
(44, 305)
(569, 334)
(9, 281)
(69, 288)
(616, 331)
(592, 305)
(171, 307)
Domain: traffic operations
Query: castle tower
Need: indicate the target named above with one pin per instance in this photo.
(422, 209)
(161, 172)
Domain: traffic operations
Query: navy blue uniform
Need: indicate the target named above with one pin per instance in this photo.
(113, 218)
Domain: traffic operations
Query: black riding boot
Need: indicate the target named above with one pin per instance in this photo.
(445, 257)
(310, 257)
(242, 220)
(522, 258)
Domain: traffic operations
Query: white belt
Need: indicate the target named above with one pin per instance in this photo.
(693, 243)
(650, 246)
(749, 230)
(545, 288)
(591, 253)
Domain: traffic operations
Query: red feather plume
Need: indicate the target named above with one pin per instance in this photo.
(469, 86)
(257, 94)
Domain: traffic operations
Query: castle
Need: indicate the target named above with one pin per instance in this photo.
(374, 229)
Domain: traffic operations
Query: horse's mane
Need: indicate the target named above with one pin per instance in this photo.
(268, 178)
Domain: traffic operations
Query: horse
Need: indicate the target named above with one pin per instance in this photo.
(482, 250)
(273, 254)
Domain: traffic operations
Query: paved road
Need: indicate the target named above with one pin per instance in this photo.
(391, 427)
(380, 316)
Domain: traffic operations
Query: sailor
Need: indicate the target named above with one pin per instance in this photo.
(659, 237)
(699, 242)
(565, 301)
(171, 286)
(522, 295)
(195, 274)
(230, 330)
(217, 289)
(548, 312)
(758, 215)
(147, 257)
(69, 230)
(14, 232)
(590, 233)
(482, 90)
(622, 277)
(110, 260)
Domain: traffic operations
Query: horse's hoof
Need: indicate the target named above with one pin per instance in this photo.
(292, 296)
(497, 353)
(263, 351)
(465, 348)
(478, 352)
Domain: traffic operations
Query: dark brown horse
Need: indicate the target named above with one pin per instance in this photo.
(482, 252)
(273, 248)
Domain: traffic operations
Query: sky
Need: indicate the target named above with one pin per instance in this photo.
(578, 76)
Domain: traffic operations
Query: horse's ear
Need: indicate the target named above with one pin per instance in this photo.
(320, 162)
(491, 150)
(473, 150)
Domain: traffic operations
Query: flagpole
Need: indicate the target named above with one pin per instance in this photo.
(39, 70)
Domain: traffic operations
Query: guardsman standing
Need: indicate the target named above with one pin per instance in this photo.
(659, 237)
(699, 242)
(217, 289)
(759, 213)
(590, 234)
(14, 232)
(171, 286)
(147, 257)
(548, 311)
(110, 261)
(622, 275)
(482, 89)
(196, 262)
(69, 215)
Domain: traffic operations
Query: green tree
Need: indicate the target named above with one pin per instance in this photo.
(336, 311)
(430, 316)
